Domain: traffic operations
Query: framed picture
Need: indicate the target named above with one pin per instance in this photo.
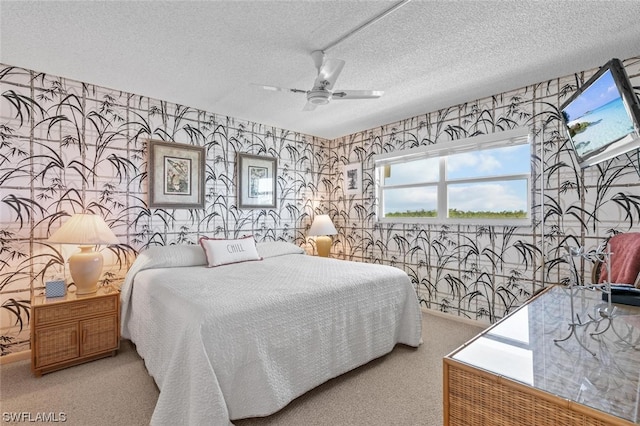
(256, 181)
(176, 175)
(353, 179)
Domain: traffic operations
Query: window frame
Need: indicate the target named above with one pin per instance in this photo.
(442, 151)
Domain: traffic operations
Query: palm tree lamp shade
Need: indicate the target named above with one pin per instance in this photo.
(321, 228)
(87, 231)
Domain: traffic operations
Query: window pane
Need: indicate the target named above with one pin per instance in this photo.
(490, 162)
(490, 200)
(424, 170)
(411, 202)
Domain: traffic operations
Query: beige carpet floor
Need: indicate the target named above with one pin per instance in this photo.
(402, 388)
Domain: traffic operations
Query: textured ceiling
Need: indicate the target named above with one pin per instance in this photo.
(427, 55)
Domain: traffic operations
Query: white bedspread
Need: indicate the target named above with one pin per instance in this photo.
(243, 340)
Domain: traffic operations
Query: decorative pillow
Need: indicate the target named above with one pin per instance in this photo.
(625, 259)
(223, 252)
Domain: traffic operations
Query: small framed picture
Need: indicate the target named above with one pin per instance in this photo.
(176, 175)
(256, 181)
(353, 179)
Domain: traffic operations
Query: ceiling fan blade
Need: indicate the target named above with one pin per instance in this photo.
(357, 94)
(328, 73)
(279, 89)
(309, 106)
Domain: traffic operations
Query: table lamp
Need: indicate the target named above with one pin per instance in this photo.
(322, 227)
(87, 231)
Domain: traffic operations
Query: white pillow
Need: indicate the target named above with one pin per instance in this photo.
(277, 248)
(223, 252)
(173, 256)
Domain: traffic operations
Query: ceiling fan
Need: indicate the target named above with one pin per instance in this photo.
(322, 91)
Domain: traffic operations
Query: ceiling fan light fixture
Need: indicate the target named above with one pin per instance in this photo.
(319, 97)
(322, 91)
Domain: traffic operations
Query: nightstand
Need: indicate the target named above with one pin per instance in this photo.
(73, 329)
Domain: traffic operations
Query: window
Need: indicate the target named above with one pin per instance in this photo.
(479, 180)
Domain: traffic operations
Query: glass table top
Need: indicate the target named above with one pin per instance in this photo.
(598, 365)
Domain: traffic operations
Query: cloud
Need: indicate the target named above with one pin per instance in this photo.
(476, 162)
(425, 170)
(494, 196)
(490, 196)
(410, 199)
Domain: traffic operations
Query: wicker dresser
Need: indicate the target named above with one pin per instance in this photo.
(74, 329)
(515, 374)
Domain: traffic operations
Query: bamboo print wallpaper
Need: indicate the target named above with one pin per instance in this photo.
(67, 146)
(483, 272)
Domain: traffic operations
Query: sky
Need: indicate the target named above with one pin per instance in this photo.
(484, 196)
(601, 92)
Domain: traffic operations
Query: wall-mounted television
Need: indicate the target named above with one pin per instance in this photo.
(602, 118)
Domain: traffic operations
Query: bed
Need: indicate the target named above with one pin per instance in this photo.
(244, 339)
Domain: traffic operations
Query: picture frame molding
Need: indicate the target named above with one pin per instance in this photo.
(194, 157)
(246, 164)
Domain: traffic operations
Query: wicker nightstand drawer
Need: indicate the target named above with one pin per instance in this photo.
(77, 309)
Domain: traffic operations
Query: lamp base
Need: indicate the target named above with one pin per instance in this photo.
(323, 245)
(86, 268)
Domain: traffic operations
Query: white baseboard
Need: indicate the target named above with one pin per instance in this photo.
(15, 357)
(455, 317)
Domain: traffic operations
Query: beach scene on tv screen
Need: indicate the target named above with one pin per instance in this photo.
(597, 117)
